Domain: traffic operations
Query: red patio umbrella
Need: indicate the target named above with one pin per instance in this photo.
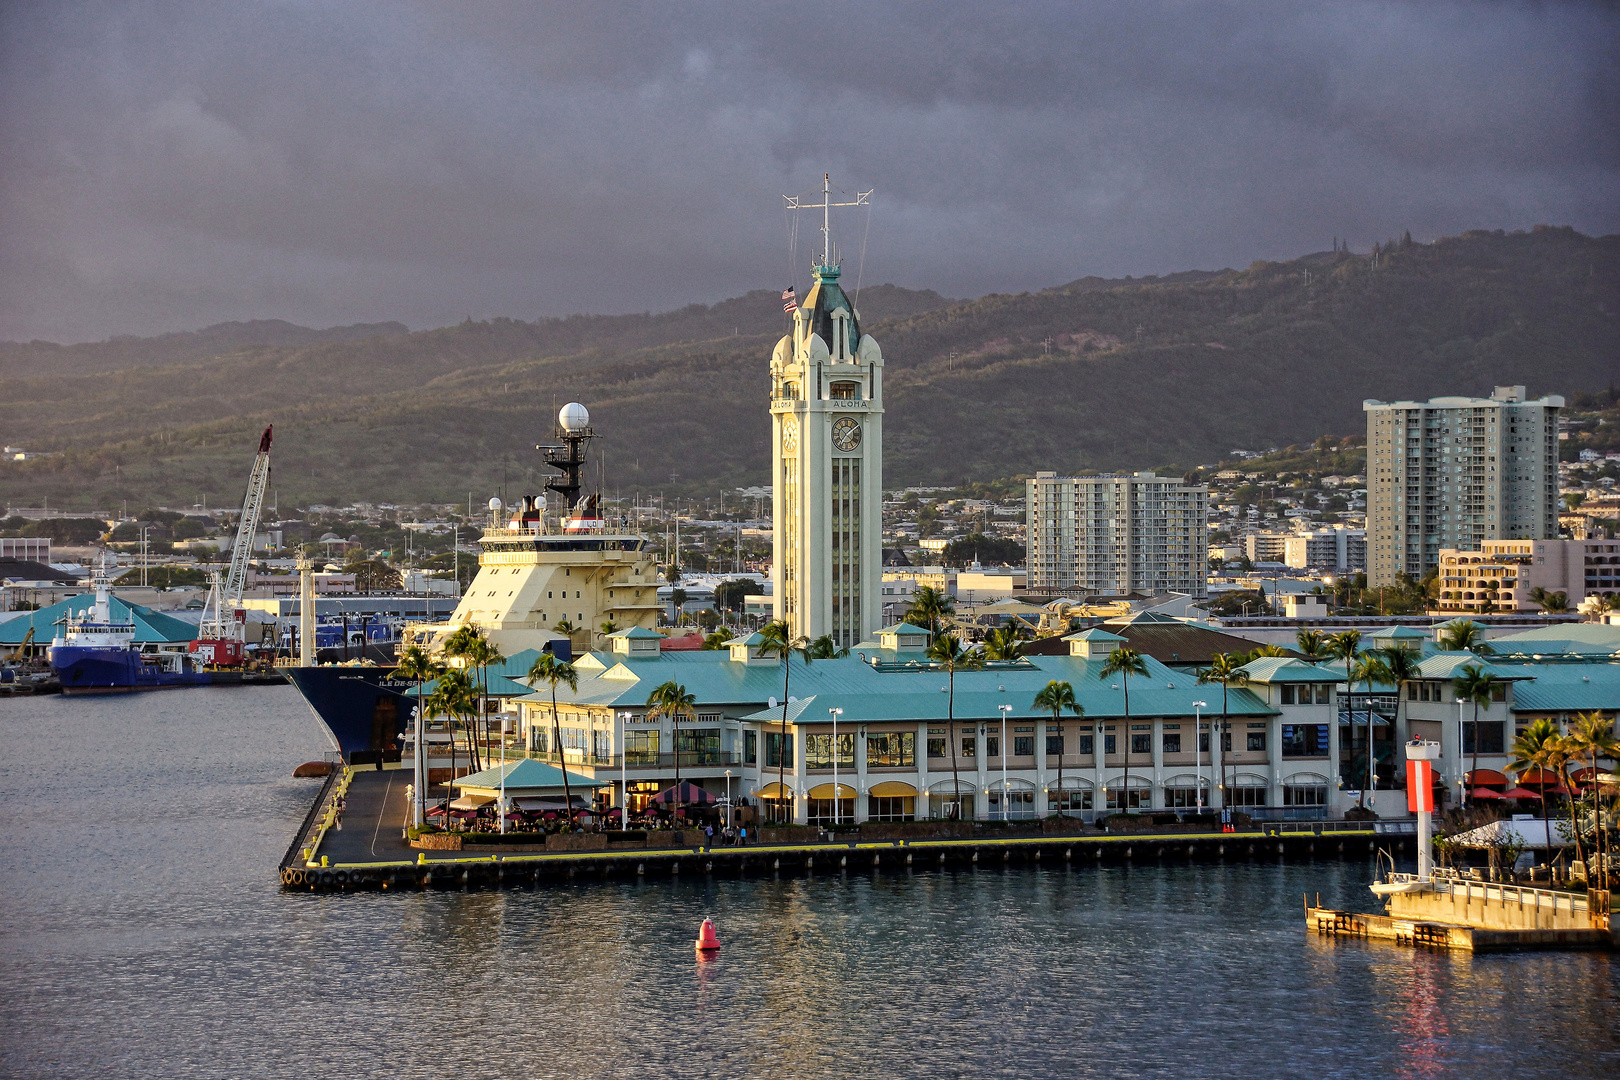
(1487, 793)
(1520, 793)
(689, 794)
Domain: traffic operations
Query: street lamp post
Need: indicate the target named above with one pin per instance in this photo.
(505, 722)
(624, 776)
(1005, 709)
(1198, 752)
(1462, 778)
(728, 798)
(836, 713)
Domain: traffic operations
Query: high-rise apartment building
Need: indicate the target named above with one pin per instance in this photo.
(1112, 535)
(1337, 548)
(1454, 472)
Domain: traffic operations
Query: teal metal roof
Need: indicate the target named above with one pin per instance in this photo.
(499, 686)
(636, 632)
(1449, 665)
(898, 688)
(527, 774)
(151, 627)
(1406, 633)
(1286, 669)
(1566, 687)
(1096, 633)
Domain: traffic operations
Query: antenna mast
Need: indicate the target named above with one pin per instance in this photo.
(863, 198)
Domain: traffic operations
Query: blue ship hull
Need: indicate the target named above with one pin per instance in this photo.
(117, 671)
(364, 708)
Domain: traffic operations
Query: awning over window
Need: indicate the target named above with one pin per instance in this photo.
(825, 791)
(890, 789)
(775, 791)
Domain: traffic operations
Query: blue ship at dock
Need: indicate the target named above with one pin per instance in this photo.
(94, 653)
(363, 707)
(93, 669)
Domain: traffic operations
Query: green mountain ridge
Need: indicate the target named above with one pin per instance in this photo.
(1096, 374)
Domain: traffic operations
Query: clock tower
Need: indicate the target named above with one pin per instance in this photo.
(827, 469)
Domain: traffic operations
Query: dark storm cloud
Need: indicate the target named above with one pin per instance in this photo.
(168, 166)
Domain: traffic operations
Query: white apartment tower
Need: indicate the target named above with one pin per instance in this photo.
(1112, 535)
(1454, 472)
(827, 466)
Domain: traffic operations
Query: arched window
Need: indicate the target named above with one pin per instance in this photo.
(846, 391)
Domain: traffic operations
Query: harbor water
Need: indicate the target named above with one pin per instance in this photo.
(144, 935)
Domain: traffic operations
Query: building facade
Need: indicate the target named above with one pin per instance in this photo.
(1328, 549)
(1113, 535)
(1502, 575)
(871, 737)
(1454, 472)
(827, 469)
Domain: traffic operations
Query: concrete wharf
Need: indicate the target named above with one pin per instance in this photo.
(362, 848)
(1452, 912)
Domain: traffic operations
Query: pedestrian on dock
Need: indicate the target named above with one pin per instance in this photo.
(742, 835)
(708, 838)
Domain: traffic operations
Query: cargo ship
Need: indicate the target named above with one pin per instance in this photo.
(538, 569)
(92, 654)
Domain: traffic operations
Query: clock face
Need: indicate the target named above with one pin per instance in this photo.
(846, 433)
(790, 435)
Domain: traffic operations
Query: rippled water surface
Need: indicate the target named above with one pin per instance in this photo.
(144, 935)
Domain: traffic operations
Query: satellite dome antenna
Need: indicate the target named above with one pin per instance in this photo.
(567, 455)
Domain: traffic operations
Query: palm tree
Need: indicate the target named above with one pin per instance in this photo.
(778, 640)
(949, 654)
(1125, 661)
(1401, 665)
(717, 640)
(416, 665)
(1269, 650)
(1534, 749)
(475, 650)
(1004, 644)
(1226, 669)
(1370, 668)
(1465, 635)
(453, 696)
(1476, 685)
(608, 628)
(1592, 734)
(548, 669)
(825, 648)
(671, 699)
(1056, 696)
(1555, 603)
(1312, 645)
(932, 607)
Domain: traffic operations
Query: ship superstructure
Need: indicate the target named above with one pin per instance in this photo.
(540, 569)
(548, 579)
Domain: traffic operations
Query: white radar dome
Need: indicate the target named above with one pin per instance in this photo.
(495, 503)
(574, 417)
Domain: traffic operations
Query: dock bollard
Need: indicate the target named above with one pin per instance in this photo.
(421, 858)
(324, 861)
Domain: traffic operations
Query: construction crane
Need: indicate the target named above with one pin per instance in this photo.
(220, 637)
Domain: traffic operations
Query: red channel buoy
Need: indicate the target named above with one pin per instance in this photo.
(707, 943)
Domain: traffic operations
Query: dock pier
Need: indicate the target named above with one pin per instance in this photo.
(360, 848)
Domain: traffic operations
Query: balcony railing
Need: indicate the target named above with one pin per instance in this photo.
(689, 759)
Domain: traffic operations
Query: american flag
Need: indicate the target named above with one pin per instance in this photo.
(790, 300)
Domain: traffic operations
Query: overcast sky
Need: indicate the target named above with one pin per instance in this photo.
(167, 166)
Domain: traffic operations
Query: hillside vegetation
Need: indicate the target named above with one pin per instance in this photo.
(1160, 372)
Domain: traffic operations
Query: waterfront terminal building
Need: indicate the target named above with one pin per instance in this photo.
(1289, 744)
